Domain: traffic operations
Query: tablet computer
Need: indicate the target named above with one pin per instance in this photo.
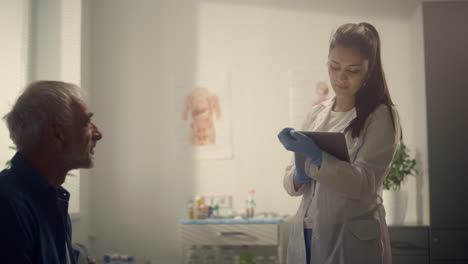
(333, 143)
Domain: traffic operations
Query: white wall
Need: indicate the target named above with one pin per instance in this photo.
(140, 184)
(418, 187)
(138, 188)
(14, 25)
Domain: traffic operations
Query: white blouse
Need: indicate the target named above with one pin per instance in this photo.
(335, 122)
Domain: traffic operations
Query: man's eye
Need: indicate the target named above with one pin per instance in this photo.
(334, 68)
(352, 72)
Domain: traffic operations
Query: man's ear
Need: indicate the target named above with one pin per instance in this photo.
(54, 134)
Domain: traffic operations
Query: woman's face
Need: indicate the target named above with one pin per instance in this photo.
(347, 69)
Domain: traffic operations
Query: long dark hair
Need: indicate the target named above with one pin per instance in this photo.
(365, 38)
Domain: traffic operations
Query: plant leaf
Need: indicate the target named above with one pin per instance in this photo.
(401, 167)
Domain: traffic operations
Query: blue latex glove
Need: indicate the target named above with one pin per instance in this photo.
(285, 136)
(302, 144)
(300, 174)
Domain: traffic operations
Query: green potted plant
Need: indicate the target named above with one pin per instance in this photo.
(395, 199)
(402, 166)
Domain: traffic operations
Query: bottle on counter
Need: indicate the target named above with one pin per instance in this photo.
(209, 208)
(191, 211)
(250, 204)
(106, 259)
(216, 212)
(126, 259)
(252, 208)
(201, 208)
(115, 259)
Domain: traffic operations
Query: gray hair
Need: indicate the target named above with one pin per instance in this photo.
(40, 102)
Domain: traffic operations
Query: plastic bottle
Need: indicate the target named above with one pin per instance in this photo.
(216, 210)
(201, 208)
(115, 259)
(209, 208)
(106, 259)
(126, 259)
(250, 204)
(252, 208)
(191, 211)
(196, 207)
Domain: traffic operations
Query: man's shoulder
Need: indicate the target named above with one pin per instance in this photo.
(12, 192)
(19, 224)
(8, 184)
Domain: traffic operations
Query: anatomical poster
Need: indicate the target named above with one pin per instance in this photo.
(205, 116)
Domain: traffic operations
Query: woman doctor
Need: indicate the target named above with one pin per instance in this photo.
(341, 218)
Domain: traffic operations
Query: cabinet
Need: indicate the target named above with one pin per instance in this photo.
(446, 56)
(410, 244)
(261, 236)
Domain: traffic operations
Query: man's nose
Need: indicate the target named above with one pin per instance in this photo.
(97, 134)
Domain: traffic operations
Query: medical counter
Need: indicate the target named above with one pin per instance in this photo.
(265, 238)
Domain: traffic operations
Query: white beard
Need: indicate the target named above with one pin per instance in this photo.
(77, 160)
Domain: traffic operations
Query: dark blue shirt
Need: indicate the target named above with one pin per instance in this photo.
(34, 220)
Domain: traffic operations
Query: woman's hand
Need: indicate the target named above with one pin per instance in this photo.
(300, 175)
(302, 144)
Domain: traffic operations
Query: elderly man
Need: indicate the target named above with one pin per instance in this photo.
(52, 129)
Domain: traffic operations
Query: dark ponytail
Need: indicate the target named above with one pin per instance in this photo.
(365, 38)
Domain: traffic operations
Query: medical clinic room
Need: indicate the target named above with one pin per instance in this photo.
(234, 132)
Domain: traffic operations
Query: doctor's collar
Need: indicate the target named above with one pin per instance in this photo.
(329, 102)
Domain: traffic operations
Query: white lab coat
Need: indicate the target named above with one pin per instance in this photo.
(348, 216)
